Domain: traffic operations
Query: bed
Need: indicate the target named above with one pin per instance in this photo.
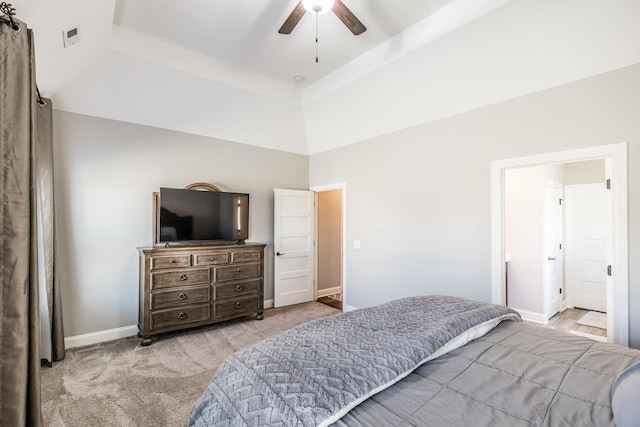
(424, 361)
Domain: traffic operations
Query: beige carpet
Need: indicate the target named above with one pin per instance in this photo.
(122, 384)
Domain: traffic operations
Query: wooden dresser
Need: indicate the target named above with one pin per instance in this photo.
(187, 286)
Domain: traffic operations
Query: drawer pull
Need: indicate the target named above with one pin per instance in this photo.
(237, 305)
(182, 315)
(238, 288)
(182, 277)
(238, 272)
(211, 259)
(246, 255)
(182, 296)
(172, 261)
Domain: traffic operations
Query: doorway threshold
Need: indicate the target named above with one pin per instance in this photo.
(332, 301)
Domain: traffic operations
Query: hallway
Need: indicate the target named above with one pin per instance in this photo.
(567, 321)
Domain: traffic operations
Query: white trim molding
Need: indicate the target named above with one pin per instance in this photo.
(114, 334)
(530, 316)
(100, 336)
(346, 307)
(618, 293)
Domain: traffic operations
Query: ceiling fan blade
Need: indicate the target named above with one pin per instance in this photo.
(348, 18)
(293, 19)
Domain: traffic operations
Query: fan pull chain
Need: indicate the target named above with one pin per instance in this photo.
(316, 37)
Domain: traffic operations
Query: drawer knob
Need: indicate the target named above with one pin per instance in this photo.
(182, 277)
(246, 255)
(238, 288)
(237, 305)
(238, 272)
(181, 296)
(172, 261)
(182, 315)
(211, 259)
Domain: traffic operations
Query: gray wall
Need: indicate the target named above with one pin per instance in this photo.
(106, 172)
(587, 172)
(419, 199)
(524, 201)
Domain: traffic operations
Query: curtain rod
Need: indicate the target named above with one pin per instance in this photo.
(9, 10)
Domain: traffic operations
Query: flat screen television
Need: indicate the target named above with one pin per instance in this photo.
(197, 216)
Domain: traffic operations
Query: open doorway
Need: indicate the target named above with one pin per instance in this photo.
(615, 157)
(556, 242)
(329, 248)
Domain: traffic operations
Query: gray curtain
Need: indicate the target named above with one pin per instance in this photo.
(52, 332)
(25, 199)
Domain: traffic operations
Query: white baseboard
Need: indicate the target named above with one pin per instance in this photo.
(100, 336)
(329, 291)
(531, 316)
(114, 334)
(346, 307)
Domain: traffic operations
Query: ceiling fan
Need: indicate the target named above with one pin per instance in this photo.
(320, 7)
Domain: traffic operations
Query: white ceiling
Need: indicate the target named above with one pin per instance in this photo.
(244, 32)
(218, 68)
(240, 36)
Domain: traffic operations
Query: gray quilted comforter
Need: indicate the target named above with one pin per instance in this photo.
(315, 373)
(517, 375)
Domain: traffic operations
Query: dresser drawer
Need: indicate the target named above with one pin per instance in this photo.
(227, 290)
(167, 279)
(179, 316)
(236, 305)
(211, 258)
(180, 296)
(234, 272)
(170, 261)
(244, 256)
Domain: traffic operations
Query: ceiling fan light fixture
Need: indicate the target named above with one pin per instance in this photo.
(319, 7)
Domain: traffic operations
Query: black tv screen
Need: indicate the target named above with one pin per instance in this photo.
(195, 215)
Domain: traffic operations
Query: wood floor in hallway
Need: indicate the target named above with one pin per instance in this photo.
(567, 320)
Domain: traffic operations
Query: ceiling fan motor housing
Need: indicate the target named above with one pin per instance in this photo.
(319, 7)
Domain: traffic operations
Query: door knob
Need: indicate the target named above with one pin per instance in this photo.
(550, 258)
(279, 253)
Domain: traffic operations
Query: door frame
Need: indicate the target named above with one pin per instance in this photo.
(319, 189)
(618, 291)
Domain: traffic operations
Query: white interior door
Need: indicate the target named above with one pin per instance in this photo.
(293, 246)
(587, 228)
(553, 253)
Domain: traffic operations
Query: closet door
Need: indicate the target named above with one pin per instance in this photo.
(587, 225)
